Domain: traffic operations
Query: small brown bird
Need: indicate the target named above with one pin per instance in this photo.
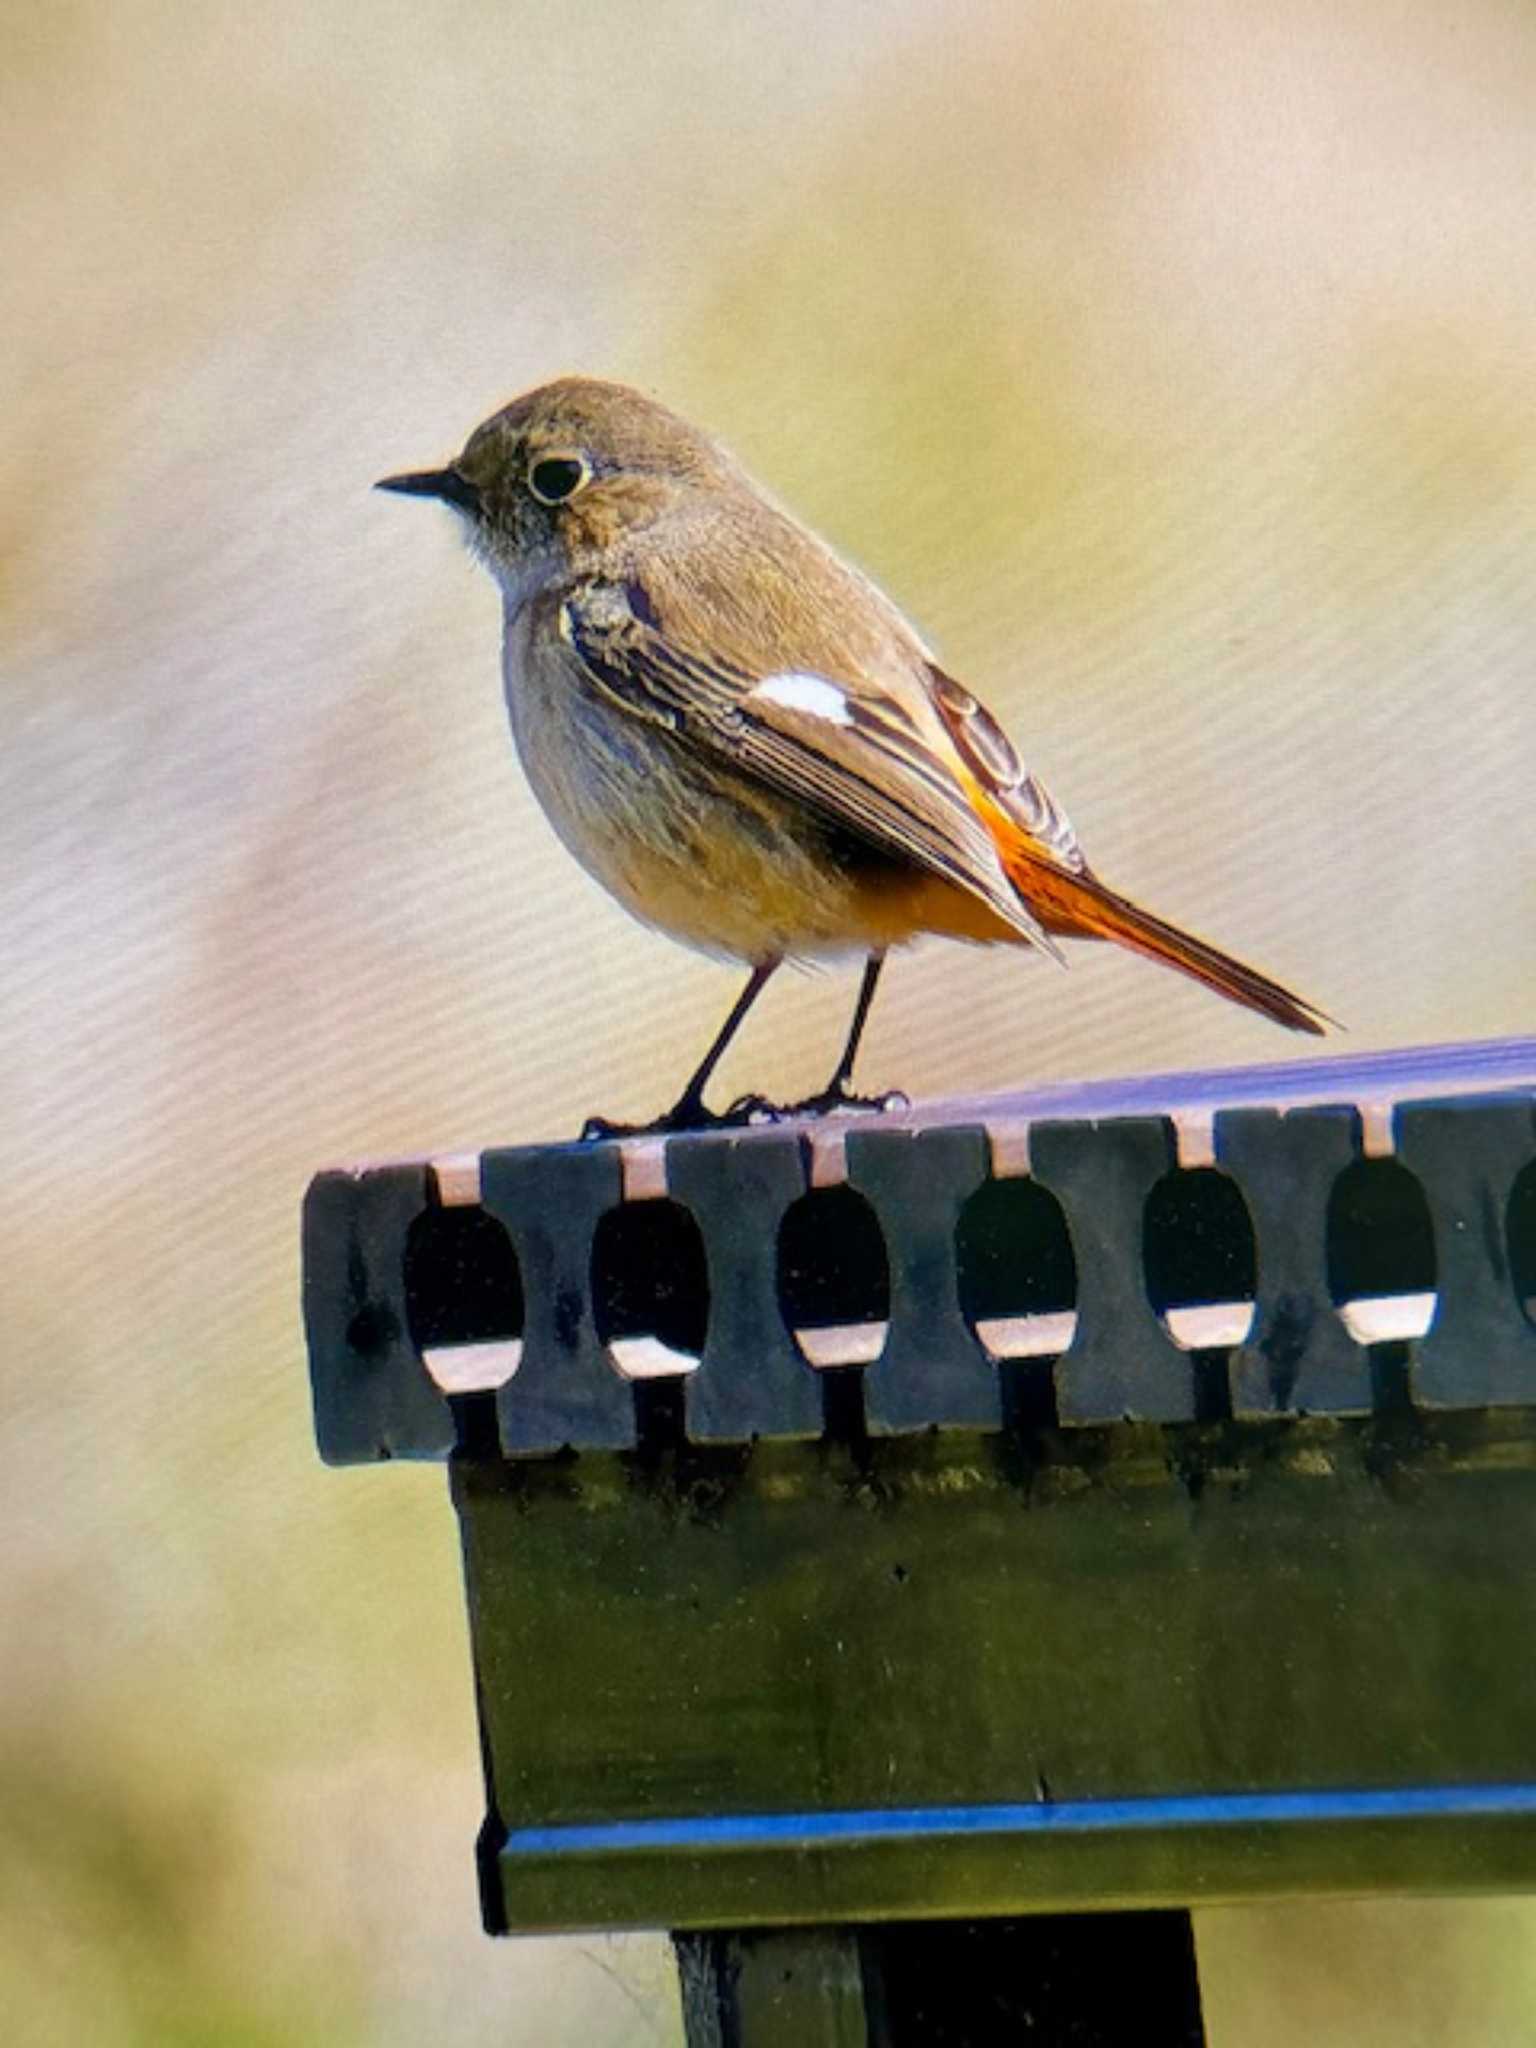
(743, 740)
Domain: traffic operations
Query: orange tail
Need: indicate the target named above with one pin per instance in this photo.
(1079, 906)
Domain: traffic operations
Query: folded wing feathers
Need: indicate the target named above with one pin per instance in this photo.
(874, 773)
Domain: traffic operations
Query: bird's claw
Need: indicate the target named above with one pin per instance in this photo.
(681, 1118)
(752, 1109)
(839, 1100)
(747, 1112)
(596, 1128)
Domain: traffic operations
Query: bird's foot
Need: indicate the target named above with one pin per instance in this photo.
(838, 1099)
(688, 1115)
(747, 1110)
(596, 1128)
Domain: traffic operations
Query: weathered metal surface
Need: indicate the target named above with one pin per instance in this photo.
(1148, 1666)
(801, 1989)
(1284, 1136)
(1052, 1978)
(374, 1397)
(1098, 1499)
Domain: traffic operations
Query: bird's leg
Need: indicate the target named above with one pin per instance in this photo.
(837, 1094)
(836, 1089)
(688, 1113)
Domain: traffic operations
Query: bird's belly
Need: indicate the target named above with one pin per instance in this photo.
(686, 844)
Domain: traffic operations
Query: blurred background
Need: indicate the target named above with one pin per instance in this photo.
(1173, 368)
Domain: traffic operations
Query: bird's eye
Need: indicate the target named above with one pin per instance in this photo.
(554, 477)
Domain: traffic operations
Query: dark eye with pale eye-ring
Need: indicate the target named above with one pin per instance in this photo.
(554, 477)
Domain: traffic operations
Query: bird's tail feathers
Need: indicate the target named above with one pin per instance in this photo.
(1080, 906)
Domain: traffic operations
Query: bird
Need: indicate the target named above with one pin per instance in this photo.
(740, 736)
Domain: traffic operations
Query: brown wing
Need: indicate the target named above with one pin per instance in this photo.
(989, 754)
(861, 761)
(1042, 858)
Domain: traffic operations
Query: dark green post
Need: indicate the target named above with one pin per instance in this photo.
(918, 1561)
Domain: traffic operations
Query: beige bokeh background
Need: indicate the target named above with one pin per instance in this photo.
(1172, 365)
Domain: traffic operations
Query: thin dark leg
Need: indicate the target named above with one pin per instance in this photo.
(689, 1107)
(837, 1094)
(688, 1112)
(842, 1073)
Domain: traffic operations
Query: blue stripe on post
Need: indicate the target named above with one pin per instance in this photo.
(1063, 1817)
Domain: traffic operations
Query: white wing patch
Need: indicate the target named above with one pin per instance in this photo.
(798, 690)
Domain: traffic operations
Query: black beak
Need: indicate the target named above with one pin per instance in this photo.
(446, 484)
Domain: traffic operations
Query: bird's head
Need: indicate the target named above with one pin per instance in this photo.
(568, 477)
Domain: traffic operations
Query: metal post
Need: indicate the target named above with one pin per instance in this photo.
(915, 1559)
(1057, 1980)
(799, 1987)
